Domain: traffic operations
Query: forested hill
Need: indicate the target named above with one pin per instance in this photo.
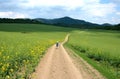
(64, 22)
(20, 20)
(69, 22)
(76, 23)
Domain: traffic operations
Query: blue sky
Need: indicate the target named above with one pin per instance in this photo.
(96, 11)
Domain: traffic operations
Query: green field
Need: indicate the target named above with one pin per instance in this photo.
(22, 45)
(103, 47)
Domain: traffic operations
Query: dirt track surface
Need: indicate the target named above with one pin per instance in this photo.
(58, 64)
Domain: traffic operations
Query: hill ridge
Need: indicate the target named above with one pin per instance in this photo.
(68, 22)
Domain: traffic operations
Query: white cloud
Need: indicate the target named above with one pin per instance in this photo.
(11, 15)
(56, 2)
(81, 9)
(68, 4)
(92, 7)
(118, 13)
(99, 10)
(115, 1)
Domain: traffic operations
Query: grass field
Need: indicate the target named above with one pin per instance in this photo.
(103, 47)
(22, 45)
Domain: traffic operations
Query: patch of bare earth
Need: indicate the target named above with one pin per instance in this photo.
(59, 64)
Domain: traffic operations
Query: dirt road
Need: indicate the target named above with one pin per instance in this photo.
(58, 64)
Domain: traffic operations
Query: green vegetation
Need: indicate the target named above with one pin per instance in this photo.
(100, 49)
(64, 22)
(25, 20)
(22, 45)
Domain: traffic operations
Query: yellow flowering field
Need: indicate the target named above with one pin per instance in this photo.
(20, 52)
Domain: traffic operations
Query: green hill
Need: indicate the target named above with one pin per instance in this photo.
(32, 28)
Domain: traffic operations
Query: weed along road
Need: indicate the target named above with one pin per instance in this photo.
(58, 64)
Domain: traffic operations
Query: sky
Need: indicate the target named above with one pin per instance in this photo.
(95, 11)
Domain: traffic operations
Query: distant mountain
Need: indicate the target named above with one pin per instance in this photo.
(64, 21)
(68, 22)
(107, 24)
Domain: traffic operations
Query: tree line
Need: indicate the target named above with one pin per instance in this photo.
(19, 20)
(112, 27)
(34, 21)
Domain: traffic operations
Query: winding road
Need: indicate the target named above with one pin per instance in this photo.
(59, 64)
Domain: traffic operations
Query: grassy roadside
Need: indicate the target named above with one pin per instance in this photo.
(99, 49)
(109, 74)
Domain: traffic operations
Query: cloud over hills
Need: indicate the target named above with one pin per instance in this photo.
(90, 10)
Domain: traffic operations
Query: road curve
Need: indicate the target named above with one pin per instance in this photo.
(57, 64)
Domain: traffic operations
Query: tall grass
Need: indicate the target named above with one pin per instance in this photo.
(100, 46)
(22, 46)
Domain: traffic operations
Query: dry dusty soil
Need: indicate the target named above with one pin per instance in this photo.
(59, 63)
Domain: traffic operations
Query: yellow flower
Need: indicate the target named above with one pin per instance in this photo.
(0, 63)
(11, 70)
(3, 68)
(32, 51)
(8, 77)
(7, 64)
(8, 57)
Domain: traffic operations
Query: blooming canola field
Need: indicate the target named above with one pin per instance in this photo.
(21, 50)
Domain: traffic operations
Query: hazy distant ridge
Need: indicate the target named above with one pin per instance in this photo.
(68, 22)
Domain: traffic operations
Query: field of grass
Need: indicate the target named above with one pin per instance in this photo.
(100, 48)
(22, 46)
